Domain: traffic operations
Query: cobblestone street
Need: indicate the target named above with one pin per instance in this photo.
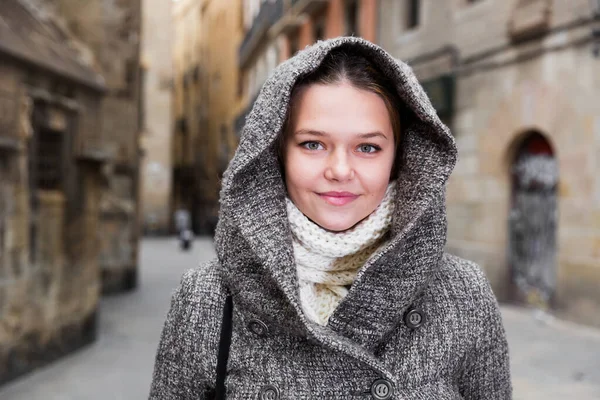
(551, 359)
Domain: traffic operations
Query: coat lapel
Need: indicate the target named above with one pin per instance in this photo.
(389, 284)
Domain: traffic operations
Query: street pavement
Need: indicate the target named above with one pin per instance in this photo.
(550, 359)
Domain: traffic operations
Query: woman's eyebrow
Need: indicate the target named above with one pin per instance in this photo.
(372, 135)
(367, 135)
(310, 132)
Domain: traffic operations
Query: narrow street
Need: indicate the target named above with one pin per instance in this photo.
(550, 360)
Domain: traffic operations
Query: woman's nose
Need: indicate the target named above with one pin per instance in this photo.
(339, 167)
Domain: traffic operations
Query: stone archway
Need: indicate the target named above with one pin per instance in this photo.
(533, 219)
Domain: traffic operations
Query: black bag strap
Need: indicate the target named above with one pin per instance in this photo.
(224, 344)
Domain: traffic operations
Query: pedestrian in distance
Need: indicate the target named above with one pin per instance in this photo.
(331, 280)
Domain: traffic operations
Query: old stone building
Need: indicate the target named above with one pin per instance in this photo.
(110, 31)
(519, 83)
(157, 66)
(52, 152)
(276, 29)
(207, 36)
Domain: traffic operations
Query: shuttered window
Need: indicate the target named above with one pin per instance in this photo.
(49, 160)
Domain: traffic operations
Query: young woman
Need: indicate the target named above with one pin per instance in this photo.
(330, 244)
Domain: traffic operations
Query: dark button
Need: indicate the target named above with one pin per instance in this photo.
(382, 389)
(414, 318)
(269, 392)
(258, 327)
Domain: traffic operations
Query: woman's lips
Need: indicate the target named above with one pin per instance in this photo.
(338, 198)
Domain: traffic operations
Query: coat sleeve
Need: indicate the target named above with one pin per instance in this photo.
(185, 361)
(486, 374)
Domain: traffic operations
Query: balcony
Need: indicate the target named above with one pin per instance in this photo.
(270, 12)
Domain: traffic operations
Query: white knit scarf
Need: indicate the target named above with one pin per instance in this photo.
(327, 262)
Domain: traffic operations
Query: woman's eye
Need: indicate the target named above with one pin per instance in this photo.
(311, 145)
(368, 148)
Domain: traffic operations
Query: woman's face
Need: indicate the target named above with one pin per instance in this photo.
(338, 154)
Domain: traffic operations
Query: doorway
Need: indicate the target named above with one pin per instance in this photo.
(533, 220)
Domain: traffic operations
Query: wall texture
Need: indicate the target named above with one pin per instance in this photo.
(50, 186)
(513, 65)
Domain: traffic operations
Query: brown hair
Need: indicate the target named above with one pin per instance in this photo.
(346, 65)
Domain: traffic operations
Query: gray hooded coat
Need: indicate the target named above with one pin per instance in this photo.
(417, 323)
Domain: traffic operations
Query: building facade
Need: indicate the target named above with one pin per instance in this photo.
(110, 31)
(52, 153)
(207, 36)
(519, 84)
(156, 95)
(276, 29)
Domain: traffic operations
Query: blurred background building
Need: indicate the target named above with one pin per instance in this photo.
(205, 87)
(519, 84)
(53, 152)
(157, 114)
(111, 30)
(70, 96)
(110, 34)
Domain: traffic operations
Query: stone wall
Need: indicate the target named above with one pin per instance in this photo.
(49, 293)
(112, 31)
(519, 98)
(507, 86)
(49, 277)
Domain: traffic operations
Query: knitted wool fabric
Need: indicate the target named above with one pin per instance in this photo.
(460, 350)
(327, 262)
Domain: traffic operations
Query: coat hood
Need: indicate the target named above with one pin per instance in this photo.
(253, 238)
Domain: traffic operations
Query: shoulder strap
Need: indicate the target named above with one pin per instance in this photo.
(224, 344)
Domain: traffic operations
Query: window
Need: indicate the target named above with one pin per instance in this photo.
(49, 160)
(351, 15)
(413, 8)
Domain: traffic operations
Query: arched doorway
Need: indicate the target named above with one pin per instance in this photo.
(533, 220)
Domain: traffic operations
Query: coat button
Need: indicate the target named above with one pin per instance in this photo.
(414, 318)
(269, 392)
(382, 389)
(258, 327)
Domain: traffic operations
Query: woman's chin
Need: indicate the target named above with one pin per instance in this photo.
(336, 226)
